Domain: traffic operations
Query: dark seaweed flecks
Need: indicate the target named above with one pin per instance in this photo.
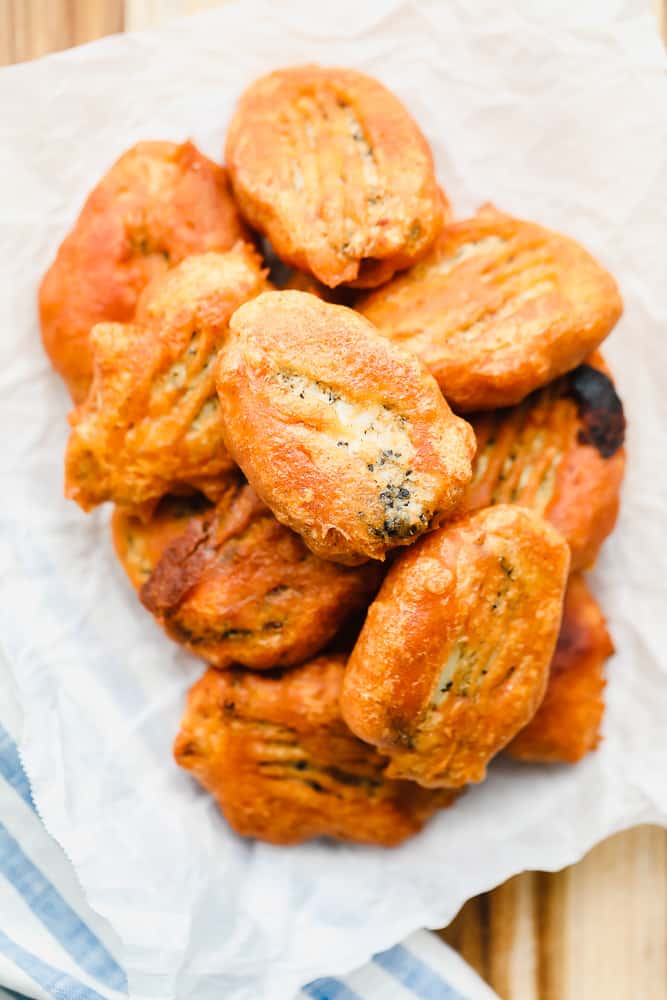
(506, 568)
(600, 410)
(395, 499)
(209, 635)
(339, 776)
(272, 626)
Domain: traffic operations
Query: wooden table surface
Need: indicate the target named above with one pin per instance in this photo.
(595, 931)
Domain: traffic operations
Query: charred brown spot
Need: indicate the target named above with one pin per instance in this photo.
(177, 571)
(600, 410)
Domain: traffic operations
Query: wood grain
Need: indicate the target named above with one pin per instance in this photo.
(660, 11)
(31, 28)
(595, 931)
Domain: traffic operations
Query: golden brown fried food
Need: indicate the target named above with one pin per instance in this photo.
(238, 586)
(231, 584)
(498, 308)
(331, 166)
(342, 295)
(567, 724)
(560, 452)
(283, 765)
(343, 435)
(158, 204)
(140, 542)
(151, 422)
(454, 656)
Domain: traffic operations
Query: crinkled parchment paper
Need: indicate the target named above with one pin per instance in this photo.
(555, 112)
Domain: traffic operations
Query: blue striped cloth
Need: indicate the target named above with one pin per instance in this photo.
(52, 945)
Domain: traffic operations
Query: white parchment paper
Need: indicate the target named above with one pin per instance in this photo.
(556, 112)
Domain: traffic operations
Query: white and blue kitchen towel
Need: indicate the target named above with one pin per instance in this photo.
(53, 947)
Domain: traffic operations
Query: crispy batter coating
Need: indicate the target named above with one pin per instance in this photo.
(342, 295)
(454, 656)
(344, 436)
(140, 541)
(567, 724)
(158, 204)
(151, 422)
(498, 308)
(331, 166)
(231, 584)
(560, 452)
(284, 767)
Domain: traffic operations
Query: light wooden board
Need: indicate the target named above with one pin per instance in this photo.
(595, 931)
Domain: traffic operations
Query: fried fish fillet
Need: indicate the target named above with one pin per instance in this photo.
(150, 424)
(498, 308)
(231, 584)
(343, 435)
(561, 453)
(333, 169)
(567, 724)
(158, 204)
(454, 656)
(284, 767)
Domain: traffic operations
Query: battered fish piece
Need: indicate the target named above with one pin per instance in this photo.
(498, 308)
(140, 542)
(561, 453)
(567, 724)
(343, 435)
(158, 204)
(151, 423)
(284, 767)
(454, 656)
(342, 295)
(332, 167)
(233, 586)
